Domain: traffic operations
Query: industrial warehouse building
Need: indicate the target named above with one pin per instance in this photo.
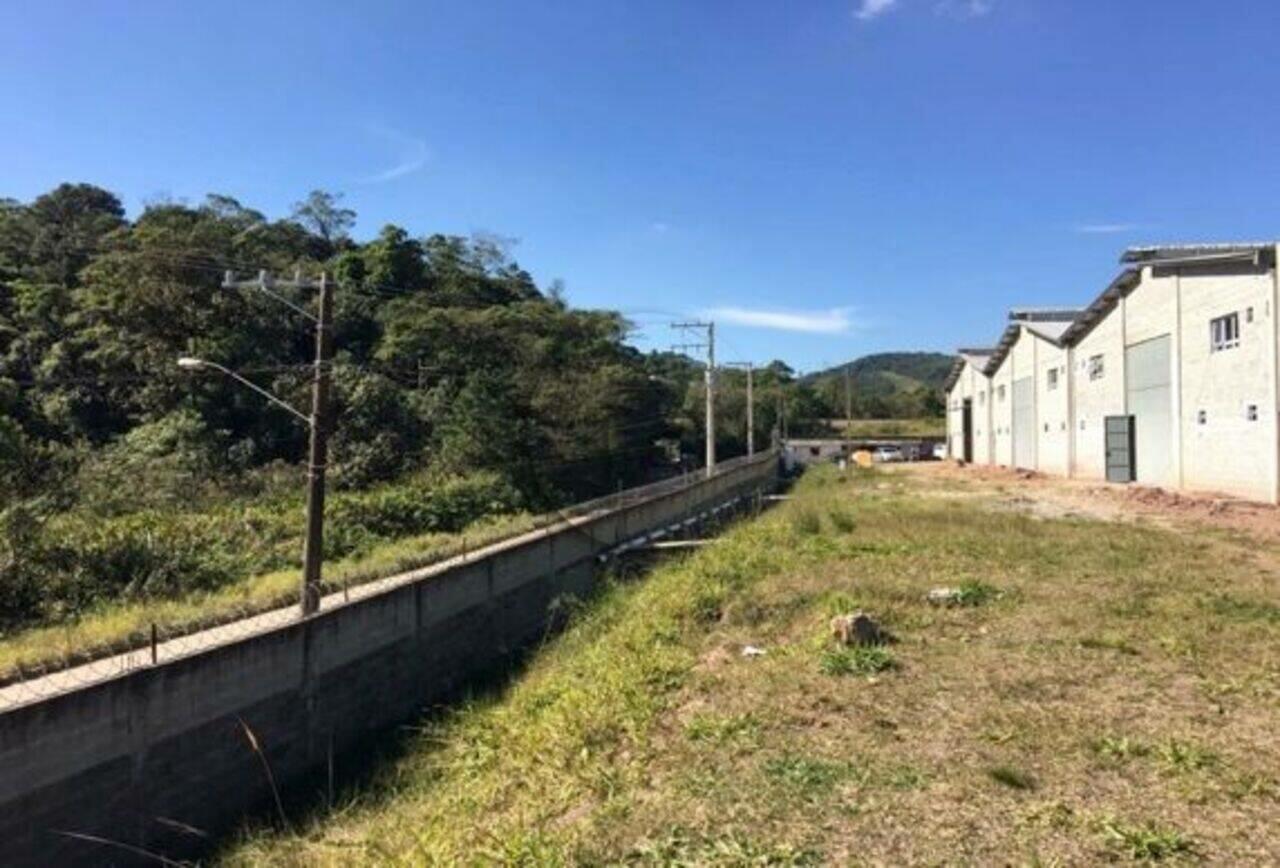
(1169, 378)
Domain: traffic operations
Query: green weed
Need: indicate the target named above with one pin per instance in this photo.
(1240, 609)
(1121, 747)
(1181, 756)
(856, 660)
(976, 593)
(1147, 842)
(807, 776)
(1108, 643)
(722, 729)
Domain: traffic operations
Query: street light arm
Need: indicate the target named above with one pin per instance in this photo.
(261, 391)
(262, 284)
(262, 287)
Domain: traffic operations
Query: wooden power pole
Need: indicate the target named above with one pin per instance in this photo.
(313, 551)
(317, 421)
(848, 407)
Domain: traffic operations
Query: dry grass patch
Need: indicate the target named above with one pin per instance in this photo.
(1098, 701)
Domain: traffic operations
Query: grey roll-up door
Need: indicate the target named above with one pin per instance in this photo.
(1024, 423)
(1148, 389)
(1118, 431)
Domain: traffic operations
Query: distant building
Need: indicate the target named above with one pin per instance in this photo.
(1168, 377)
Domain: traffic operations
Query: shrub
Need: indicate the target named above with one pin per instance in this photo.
(975, 593)
(841, 519)
(57, 567)
(806, 522)
(857, 660)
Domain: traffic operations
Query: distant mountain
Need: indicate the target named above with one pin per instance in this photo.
(886, 385)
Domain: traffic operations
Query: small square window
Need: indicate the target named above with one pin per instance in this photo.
(1046, 427)
(1251, 413)
(1053, 379)
(1224, 332)
(1096, 367)
(1081, 424)
(1202, 417)
(1248, 314)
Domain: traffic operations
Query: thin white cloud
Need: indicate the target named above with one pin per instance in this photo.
(412, 152)
(835, 321)
(869, 9)
(1106, 228)
(965, 8)
(659, 228)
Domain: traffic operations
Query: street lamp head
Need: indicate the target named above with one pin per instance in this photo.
(188, 363)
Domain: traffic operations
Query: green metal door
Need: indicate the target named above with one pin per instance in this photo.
(1148, 388)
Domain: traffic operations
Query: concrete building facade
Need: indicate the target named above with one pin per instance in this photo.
(1168, 377)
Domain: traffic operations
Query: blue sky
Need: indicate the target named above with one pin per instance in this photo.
(827, 177)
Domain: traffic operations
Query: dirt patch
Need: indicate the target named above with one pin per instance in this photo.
(1056, 497)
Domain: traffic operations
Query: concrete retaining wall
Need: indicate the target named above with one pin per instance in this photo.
(142, 758)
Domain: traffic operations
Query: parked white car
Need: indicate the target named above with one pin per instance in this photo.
(886, 454)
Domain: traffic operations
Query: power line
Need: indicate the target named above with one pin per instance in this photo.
(710, 347)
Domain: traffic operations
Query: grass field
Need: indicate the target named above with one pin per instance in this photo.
(118, 625)
(1102, 692)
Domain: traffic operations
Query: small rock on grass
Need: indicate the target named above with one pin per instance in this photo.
(945, 596)
(857, 628)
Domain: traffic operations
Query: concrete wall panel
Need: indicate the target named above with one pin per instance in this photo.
(168, 741)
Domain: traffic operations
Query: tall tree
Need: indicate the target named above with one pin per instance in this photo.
(321, 214)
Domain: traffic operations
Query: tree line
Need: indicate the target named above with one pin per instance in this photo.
(451, 361)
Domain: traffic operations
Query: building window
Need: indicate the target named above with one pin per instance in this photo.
(1251, 413)
(1224, 332)
(1000, 392)
(1096, 367)
(1202, 417)
(1248, 314)
(1053, 379)
(982, 398)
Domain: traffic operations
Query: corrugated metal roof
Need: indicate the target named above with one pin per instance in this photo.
(1123, 284)
(977, 358)
(1044, 314)
(1052, 331)
(1051, 326)
(1067, 326)
(1160, 252)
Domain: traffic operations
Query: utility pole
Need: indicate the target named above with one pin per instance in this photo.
(318, 421)
(751, 421)
(710, 347)
(848, 407)
(313, 550)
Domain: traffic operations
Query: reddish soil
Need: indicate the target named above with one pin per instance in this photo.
(1053, 495)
